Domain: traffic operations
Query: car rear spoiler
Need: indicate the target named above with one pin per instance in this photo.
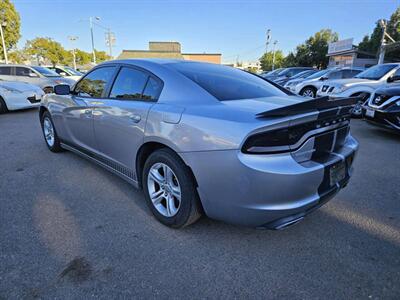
(317, 104)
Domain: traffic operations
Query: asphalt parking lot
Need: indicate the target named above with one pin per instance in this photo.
(69, 229)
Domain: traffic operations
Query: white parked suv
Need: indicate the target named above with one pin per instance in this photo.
(310, 86)
(19, 95)
(363, 84)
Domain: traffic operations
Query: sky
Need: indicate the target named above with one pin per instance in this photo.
(235, 28)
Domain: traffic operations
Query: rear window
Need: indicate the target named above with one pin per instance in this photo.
(5, 70)
(227, 83)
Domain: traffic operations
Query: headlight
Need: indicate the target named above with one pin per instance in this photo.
(11, 90)
(339, 89)
(61, 82)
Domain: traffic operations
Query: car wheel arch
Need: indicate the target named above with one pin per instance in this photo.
(146, 150)
(42, 110)
(309, 87)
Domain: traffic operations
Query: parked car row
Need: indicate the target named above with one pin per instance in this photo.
(23, 86)
(377, 87)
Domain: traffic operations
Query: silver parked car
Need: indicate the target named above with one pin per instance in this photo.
(40, 76)
(205, 138)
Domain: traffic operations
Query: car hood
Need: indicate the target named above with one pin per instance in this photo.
(351, 81)
(20, 86)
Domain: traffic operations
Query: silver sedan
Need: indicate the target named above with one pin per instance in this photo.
(205, 139)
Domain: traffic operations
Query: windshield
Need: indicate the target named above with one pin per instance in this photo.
(376, 72)
(45, 71)
(318, 74)
(275, 72)
(227, 83)
(303, 74)
(73, 71)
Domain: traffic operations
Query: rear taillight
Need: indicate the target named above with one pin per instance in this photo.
(288, 138)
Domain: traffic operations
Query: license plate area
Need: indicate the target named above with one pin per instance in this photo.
(337, 173)
(369, 113)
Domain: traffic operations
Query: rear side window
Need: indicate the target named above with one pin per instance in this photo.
(93, 84)
(129, 84)
(152, 90)
(227, 83)
(5, 70)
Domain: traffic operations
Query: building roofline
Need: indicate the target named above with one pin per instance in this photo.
(354, 50)
(201, 54)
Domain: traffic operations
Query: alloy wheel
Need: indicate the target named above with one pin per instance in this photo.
(164, 189)
(48, 131)
(308, 93)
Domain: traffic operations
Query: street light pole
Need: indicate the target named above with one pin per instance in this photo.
(73, 39)
(273, 55)
(3, 42)
(91, 34)
(268, 39)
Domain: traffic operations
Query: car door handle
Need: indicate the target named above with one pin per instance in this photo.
(135, 118)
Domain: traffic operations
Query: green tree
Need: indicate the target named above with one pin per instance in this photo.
(313, 52)
(82, 57)
(9, 17)
(267, 58)
(102, 56)
(290, 60)
(371, 43)
(17, 56)
(46, 49)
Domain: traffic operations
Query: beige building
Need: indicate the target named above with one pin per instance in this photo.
(170, 50)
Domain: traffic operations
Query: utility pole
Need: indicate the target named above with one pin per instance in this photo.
(73, 39)
(382, 51)
(3, 24)
(273, 55)
(110, 40)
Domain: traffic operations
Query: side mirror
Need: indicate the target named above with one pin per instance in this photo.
(62, 89)
(323, 78)
(393, 78)
(32, 74)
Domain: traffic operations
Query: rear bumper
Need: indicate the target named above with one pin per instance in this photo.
(263, 190)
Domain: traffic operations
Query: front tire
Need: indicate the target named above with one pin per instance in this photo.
(50, 133)
(3, 106)
(170, 190)
(308, 92)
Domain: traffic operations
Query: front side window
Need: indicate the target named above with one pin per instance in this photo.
(335, 75)
(45, 71)
(93, 84)
(227, 83)
(21, 71)
(5, 70)
(129, 84)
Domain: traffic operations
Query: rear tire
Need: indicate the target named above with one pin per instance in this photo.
(161, 193)
(309, 92)
(3, 106)
(50, 133)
